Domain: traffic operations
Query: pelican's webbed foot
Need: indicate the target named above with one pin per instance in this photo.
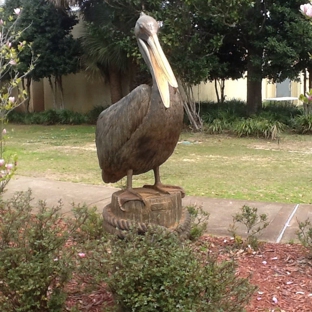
(129, 195)
(166, 189)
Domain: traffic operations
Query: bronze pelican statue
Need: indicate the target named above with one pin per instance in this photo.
(139, 133)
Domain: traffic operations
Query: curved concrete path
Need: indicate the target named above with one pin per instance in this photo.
(282, 217)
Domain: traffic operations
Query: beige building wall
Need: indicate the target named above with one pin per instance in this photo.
(37, 96)
(80, 94)
(237, 89)
(234, 89)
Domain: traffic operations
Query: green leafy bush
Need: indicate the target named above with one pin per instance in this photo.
(16, 117)
(36, 260)
(258, 127)
(90, 221)
(34, 266)
(199, 221)
(273, 119)
(302, 124)
(154, 272)
(49, 117)
(282, 112)
(94, 113)
(158, 272)
(217, 126)
(227, 111)
(254, 224)
(304, 234)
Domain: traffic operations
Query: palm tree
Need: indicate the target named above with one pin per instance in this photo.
(104, 58)
(102, 55)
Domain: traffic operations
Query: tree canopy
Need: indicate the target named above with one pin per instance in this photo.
(205, 40)
(48, 30)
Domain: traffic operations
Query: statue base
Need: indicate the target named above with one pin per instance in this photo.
(164, 210)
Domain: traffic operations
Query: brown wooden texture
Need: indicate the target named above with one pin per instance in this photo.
(157, 210)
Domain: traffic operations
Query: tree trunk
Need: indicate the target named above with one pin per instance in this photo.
(190, 106)
(254, 89)
(222, 88)
(28, 83)
(53, 91)
(115, 84)
(59, 81)
(310, 78)
(305, 81)
(27, 88)
(217, 90)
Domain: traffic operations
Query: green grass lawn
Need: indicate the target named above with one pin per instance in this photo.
(205, 165)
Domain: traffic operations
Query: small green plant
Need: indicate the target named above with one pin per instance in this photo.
(302, 124)
(254, 224)
(216, 126)
(199, 221)
(304, 234)
(91, 224)
(158, 272)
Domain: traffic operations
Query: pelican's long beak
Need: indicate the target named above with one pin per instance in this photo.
(161, 68)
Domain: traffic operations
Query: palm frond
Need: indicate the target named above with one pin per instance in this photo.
(64, 3)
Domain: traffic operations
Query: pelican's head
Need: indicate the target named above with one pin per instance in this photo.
(146, 29)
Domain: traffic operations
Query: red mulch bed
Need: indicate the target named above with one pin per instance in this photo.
(282, 273)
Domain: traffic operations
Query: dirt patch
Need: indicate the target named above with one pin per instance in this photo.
(288, 146)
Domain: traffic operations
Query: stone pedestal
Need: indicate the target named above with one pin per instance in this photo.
(163, 210)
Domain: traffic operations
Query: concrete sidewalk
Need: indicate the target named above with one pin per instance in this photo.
(282, 217)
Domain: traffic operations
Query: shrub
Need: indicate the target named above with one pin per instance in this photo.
(217, 126)
(33, 264)
(158, 272)
(231, 116)
(62, 116)
(36, 260)
(302, 124)
(199, 221)
(16, 117)
(48, 117)
(304, 234)
(94, 114)
(282, 112)
(254, 224)
(70, 117)
(226, 112)
(258, 127)
(51, 117)
(90, 221)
